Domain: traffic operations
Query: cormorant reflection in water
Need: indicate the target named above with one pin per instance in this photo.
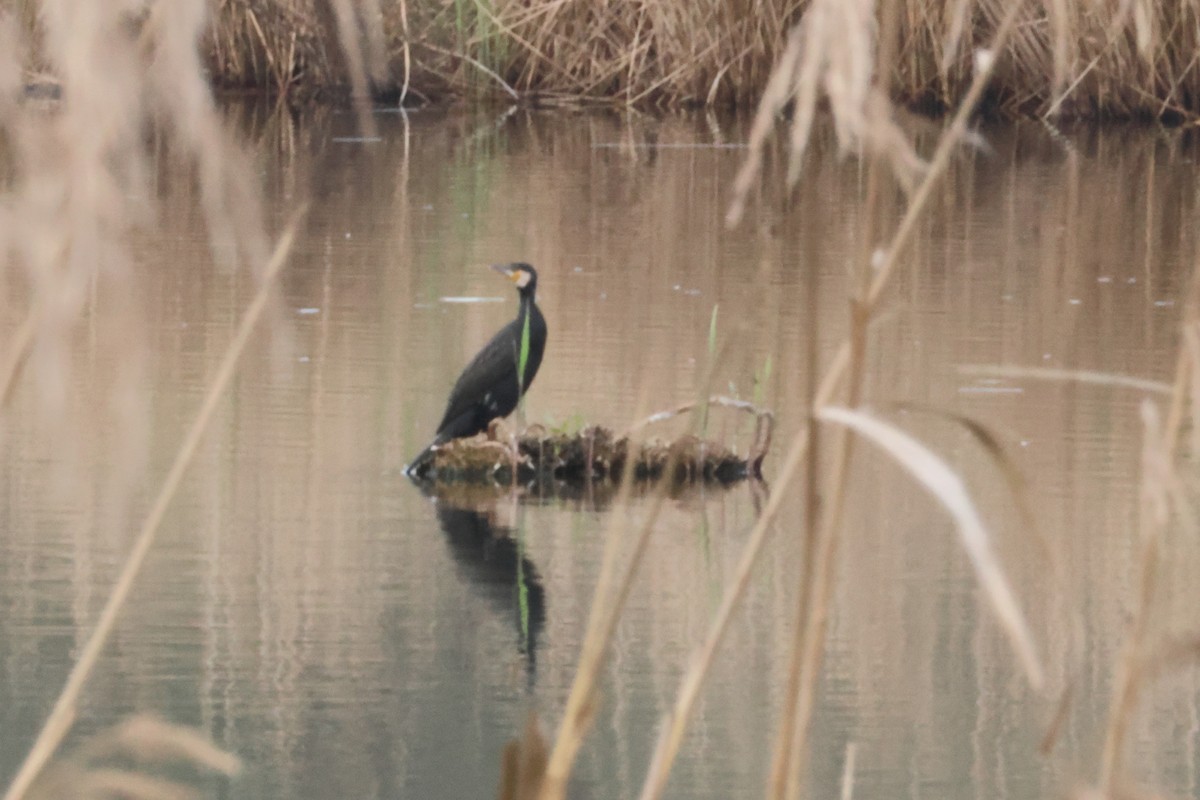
(491, 557)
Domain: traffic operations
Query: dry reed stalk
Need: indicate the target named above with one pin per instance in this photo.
(1191, 341)
(1018, 489)
(809, 647)
(63, 713)
(782, 758)
(1187, 369)
(479, 65)
(694, 676)
(602, 619)
(523, 765)
(1161, 492)
(785, 742)
(606, 608)
(272, 44)
(348, 25)
(821, 530)
(825, 527)
(147, 738)
(848, 772)
(596, 51)
(1157, 474)
(1187, 377)
(17, 353)
(1109, 379)
(406, 52)
(1055, 726)
(689, 688)
(581, 701)
(813, 612)
(148, 742)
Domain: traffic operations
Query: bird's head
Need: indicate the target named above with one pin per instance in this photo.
(523, 275)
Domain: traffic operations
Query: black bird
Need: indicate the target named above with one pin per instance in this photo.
(488, 388)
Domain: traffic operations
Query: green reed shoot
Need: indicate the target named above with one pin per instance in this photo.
(570, 425)
(762, 376)
(522, 361)
(522, 590)
(712, 331)
(712, 356)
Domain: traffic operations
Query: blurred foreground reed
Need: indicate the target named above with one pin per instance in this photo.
(77, 189)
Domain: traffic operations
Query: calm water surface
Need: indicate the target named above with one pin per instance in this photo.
(347, 636)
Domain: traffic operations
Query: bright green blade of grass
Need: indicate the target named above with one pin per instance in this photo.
(522, 361)
(712, 331)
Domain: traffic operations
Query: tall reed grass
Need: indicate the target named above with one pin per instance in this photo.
(1091, 59)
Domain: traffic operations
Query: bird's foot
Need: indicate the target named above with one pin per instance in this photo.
(495, 430)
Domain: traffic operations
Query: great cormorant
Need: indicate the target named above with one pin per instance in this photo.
(488, 388)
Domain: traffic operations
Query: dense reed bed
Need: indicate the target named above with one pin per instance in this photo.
(1074, 59)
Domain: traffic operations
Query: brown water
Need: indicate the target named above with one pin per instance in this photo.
(312, 611)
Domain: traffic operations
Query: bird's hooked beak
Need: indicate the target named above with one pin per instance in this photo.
(518, 276)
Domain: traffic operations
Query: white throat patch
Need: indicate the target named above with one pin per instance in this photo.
(522, 279)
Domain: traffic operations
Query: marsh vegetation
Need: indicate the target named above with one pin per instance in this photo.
(1063, 59)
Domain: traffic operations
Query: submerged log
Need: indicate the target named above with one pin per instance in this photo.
(596, 453)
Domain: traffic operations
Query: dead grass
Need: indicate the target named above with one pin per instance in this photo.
(1129, 59)
(1113, 59)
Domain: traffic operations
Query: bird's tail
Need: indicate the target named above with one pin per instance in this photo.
(418, 464)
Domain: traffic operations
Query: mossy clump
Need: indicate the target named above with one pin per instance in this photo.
(591, 454)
